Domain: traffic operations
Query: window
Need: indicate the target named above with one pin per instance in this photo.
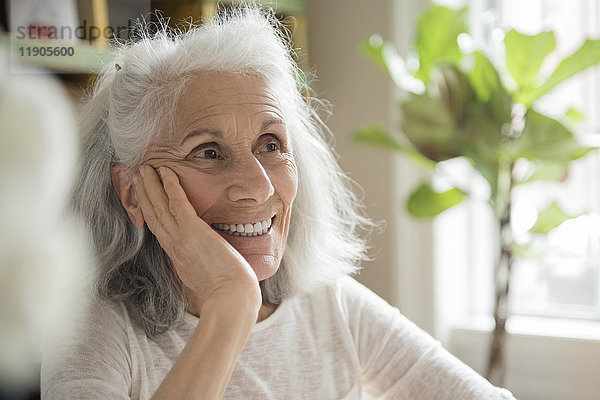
(564, 281)
(554, 333)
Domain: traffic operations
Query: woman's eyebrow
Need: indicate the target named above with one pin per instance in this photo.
(216, 132)
(270, 122)
(201, 132)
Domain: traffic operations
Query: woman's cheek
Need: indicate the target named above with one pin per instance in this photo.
(201, 191)
(286, 187)
(287, 180)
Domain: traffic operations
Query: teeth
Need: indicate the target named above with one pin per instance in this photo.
(255, 229)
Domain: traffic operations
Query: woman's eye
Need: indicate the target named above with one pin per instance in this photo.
(271, 146)
(208, 154)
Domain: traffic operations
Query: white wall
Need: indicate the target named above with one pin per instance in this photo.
(361, 94)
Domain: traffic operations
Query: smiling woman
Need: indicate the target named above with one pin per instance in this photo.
(188, 90)
(230, 150)
(224, 231)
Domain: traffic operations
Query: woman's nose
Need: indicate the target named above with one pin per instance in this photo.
(250, 181)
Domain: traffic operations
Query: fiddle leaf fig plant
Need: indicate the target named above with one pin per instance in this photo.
(470, 105)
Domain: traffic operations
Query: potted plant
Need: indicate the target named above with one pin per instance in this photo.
(459, 104)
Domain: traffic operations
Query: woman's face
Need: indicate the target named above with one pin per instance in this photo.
(231, 151)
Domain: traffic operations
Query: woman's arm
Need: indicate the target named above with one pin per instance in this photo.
(95, 361)
(400, 361)
(206, 363)
(221, 288)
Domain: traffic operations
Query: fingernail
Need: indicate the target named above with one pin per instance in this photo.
(135, 179)
(142, 170)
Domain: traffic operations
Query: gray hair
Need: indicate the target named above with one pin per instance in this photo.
(132, 98)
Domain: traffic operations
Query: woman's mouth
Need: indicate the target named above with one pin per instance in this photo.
(245, 229)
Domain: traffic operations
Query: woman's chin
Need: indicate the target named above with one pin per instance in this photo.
(264, 266)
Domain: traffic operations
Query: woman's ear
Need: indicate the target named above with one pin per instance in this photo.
(122, 180)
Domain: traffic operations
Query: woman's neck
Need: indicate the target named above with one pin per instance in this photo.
(265, 311)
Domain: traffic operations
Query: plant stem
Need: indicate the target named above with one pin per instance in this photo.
(496, 368)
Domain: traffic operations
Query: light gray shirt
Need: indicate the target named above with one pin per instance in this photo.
(338, 342)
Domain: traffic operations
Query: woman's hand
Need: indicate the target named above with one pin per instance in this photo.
(221, 288)
(212, 271)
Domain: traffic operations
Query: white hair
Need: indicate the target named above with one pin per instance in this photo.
(135, 95)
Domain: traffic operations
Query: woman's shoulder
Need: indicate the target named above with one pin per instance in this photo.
(92, 353)
(107, 312)
(98, 324)
(367, 315)
(347, 298)
(353, 294)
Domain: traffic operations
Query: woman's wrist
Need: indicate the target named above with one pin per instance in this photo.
(241, 303)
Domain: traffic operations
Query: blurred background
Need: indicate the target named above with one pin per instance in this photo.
(439, 272)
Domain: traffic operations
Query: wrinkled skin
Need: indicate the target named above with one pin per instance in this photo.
(227, 161)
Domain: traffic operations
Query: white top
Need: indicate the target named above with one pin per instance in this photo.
(335, 343)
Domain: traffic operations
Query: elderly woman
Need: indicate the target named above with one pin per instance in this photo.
(225, 232)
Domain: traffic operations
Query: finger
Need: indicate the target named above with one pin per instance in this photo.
(147, 210)
(179, 205)
(157, 216)
(158, 197)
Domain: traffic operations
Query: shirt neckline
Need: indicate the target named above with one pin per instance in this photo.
(264, 324)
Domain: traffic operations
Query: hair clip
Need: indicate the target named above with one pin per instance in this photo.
(117, 67)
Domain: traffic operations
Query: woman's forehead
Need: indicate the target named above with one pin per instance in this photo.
(212, 88)
(213, 93)
(217, 96)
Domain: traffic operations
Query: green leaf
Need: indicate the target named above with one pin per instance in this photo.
(547, 171)
(376, 135)
(489, 91)
(524, 251)
(483, 126)
(373, 49)
(385, 56)
(486, 162)
(574, 115)
(546, 139)
(549, 219)
(450, 86)
(487, 115)
(525, 54)
(483, 139)
(437, 32)
(586, 56)
(427, 203)
(484, 77)
(430, 127)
